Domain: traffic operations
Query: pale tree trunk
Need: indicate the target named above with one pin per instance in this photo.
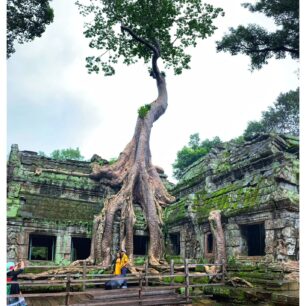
(138, 182)
(217, 231)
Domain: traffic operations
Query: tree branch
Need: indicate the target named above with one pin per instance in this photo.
(276, 49)
(141, 40)
(154, 48)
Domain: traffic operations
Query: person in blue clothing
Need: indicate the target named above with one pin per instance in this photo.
(124, 265)
(12, 272)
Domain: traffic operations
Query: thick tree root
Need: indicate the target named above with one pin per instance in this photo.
(239, 282)
(217, 231)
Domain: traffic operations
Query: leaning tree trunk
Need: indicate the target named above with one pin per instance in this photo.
(217, 231)
(138, 182)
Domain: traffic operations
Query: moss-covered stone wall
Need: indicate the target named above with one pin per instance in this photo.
(39, 187)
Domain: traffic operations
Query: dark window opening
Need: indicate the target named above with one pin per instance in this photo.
(175, 243)
(209, 243)
(42, 247)
(140, 245)
(254, 235)
(80, 248)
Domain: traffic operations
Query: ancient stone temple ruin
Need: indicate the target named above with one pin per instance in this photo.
(50, 211)
(255, 185)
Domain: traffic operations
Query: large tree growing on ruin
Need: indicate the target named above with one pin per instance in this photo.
(133, 30)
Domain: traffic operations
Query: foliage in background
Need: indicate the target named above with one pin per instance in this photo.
(189, 154)
(63, 154)
(69, 153)
(39, 253)
(283, 117)
(257, 42)
(112, 160)
(26, 19)
(41, 153)
(128, 30)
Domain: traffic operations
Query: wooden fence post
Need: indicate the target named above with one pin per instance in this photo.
(172, 271)
(186, 278)
(140, 285)
(223, 271)
(146, 272)
(84, 276)
(67, 289)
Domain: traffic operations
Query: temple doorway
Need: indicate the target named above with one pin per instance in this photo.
(80, 248)
(140, 245)
(253, 236)
(175, 243)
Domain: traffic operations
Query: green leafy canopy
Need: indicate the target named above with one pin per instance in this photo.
(260, 44)
(171, 26)
(26, 20)
(283, 117)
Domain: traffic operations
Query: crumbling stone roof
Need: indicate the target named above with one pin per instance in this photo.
(54, 190)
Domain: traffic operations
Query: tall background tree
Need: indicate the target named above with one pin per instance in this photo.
(283, 117)
(26, 20)
(69, 153)
(189, 154)
(130, 31)
(62, 154)
(259, 44)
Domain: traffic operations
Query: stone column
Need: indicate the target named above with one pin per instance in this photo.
(233, 239)
(63, 247)
(270, 238)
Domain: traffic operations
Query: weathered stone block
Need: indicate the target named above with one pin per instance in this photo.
(275, 224)
(270, 235)
(289, 215)
(288, 232)
(235, 241)
(290, 240)
(22, 238)
(23, 252)
(269, 249)
(232, 226)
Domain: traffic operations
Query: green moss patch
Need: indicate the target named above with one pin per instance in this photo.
(177, 279)
(176, 212)
(143, 110)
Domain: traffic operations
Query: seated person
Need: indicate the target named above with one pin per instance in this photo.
(124, 265)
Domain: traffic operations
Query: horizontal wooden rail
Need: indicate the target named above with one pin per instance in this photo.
(61, 267)
(69, 281)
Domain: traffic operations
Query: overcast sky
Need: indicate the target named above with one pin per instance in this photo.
(53, 103)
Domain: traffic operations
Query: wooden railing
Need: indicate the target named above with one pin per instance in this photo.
(144, 279)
